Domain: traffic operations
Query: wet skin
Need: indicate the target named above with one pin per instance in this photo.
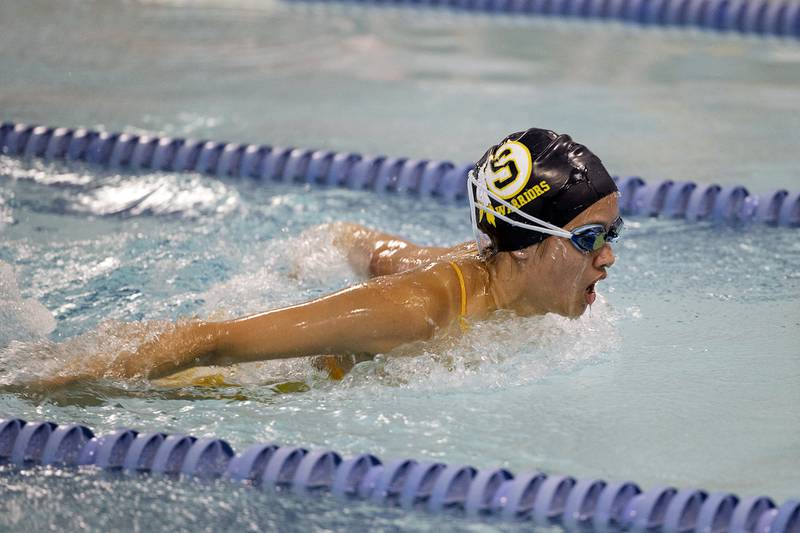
(413, 295)
(562, 279)
(550, 277)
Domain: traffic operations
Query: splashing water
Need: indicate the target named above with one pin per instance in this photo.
(24, 361)
(504, 351)
(20, 318)
(280, 269)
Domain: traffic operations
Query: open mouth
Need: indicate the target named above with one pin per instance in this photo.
(589, 293)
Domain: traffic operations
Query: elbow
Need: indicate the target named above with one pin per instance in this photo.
(388, 257)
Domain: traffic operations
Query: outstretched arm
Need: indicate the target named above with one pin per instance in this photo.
(372, 317)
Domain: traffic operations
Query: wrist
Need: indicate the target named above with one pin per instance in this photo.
(208, 334)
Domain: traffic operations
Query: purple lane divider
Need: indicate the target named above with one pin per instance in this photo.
(31, 443)
(537, 498)
(762, 18)
(351, 473)
(65, 444)
(142, 452)
(444, 181)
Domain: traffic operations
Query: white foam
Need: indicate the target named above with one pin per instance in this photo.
(6, 213)
(189, 196)
(280, 272)
(315, 259)
(43, 172)
(158, 193)
(20, 318)
(504, 351)
(259, 289)
(25, 361)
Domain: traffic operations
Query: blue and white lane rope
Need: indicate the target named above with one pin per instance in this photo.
(752, 17)
(441, 180)
(407, 483)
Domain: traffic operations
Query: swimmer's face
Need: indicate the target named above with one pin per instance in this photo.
(567, 276)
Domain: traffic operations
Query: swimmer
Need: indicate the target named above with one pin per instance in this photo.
(543, 210)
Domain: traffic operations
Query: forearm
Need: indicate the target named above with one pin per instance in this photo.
(360, 245)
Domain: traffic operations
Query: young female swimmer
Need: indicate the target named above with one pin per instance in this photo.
(543, 210)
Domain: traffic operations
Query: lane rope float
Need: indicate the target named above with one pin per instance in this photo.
(441, 180)
(463, 490)
(761, 18)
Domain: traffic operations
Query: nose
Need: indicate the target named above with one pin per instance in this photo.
(604, 258)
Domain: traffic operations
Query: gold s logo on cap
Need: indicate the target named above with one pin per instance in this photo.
(508, 170)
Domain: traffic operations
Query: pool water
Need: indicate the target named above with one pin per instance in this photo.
(685, 372)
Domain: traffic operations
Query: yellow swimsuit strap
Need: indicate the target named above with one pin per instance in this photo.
(462, 317)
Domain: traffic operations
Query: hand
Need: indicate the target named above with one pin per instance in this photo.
(128, 350)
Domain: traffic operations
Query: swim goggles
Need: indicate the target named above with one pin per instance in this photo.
(592, 237)
(586, 239)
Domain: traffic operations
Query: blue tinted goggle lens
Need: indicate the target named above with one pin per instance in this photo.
(593, 237)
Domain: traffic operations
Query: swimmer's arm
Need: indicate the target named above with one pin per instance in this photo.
(373, 253)
(371, 318)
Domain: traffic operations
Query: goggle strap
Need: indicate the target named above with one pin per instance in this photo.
(512, 208)
(475, 234)
(513, 222)
(544, 227)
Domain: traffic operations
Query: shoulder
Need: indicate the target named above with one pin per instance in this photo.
(431, 278)
(429, 289)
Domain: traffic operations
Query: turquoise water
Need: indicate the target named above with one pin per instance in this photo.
(685, 372)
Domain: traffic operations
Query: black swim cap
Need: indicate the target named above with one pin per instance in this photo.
(541, 173)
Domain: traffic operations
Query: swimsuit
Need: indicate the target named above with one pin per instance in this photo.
(462, 320)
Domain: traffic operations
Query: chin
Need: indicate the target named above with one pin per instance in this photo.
(576, 310)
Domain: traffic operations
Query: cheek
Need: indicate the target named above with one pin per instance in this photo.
(562, 258)
(567, 266)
